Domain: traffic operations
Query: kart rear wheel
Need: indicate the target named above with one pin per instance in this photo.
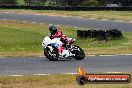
(79, 53)
(51, 55)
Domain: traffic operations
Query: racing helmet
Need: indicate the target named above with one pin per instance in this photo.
(53, 29)
(64, 39)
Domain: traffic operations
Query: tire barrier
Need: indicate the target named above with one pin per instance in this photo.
(102, 35)
(110, 34)
(94, 33)
(114, 33)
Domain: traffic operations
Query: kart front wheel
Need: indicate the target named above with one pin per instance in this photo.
(79, 53)
(51, 55)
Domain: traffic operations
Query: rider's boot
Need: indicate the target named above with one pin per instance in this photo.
(60, 50)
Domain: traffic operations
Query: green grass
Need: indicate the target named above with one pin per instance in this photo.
(51, 81)
(17, 36)
(24, 39)
(21, 2)
(111, 15)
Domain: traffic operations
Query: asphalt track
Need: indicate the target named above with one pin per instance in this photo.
(40, 65)
(69, 21)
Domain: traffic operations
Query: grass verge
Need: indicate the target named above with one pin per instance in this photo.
(24, 39)
(51, 81)
(111, 15)
(21, 2)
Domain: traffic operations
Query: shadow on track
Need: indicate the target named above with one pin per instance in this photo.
(61, 60)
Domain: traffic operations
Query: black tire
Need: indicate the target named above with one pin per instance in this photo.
(79, 33)
(84, 32)
(114, 34)
(81, 80)
(102, 35)
(94, 33)
(48, 56)
(79, 55)
(89, 33)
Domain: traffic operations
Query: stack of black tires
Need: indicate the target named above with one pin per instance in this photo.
(110, 34)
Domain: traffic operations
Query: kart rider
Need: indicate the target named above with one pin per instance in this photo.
(55, 33)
